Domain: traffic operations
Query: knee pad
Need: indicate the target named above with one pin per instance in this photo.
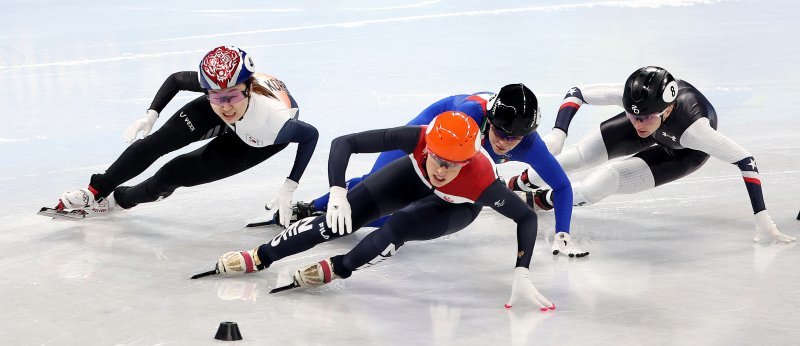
(589, 152)
(627, 176)
(601, 183)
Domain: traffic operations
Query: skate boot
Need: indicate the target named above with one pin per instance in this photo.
(300, 210)
(86, 200)
(543, 198)
(314, 275)
(540, 199)
(239, 262)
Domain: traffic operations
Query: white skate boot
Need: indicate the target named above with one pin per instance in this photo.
(300, 210)
(313, 275)
(84, 199)
(316, 274)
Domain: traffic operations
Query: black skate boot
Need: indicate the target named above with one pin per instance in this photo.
(300, 210)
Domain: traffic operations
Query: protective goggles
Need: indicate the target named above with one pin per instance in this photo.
(447, 164)
(231, 96)
(505, 137)
(645, 119)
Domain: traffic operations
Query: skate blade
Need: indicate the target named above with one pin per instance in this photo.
(62, 214)
(284, 288)
(260, 224)
(204, 274)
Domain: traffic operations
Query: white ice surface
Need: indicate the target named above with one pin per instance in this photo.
(671, 266)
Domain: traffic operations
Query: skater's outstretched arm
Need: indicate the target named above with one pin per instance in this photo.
(701, 136)
(185, 80)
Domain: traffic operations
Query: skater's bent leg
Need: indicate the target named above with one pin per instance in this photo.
(173, 135)
(223, 157)
(645, 170)
(382, 193)
(627, 176)
(426, 219)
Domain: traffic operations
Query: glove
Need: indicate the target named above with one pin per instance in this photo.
(555, 140)
(765, 226)
(523, 288)
(338, 215)
(284, 202)
(521, 183)
(562, 243)
(145, 124)
(239, 262)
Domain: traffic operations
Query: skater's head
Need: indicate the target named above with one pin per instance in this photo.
(649, 98)
(452, 140)
(512, 114)
(226, 73)
(225, 66)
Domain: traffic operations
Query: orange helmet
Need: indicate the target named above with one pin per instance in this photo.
(453, 136)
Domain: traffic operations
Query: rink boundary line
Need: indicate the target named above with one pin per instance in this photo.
(128, 56)
(289, 10)
(352, 24)
(651, 4)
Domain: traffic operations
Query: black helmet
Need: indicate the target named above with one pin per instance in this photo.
(514, 110)
(649, 90)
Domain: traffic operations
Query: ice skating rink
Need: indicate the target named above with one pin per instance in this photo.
(671, 266)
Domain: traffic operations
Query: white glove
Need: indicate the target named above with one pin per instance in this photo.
(765, 226)
(523, 288)
(555, 140)
(338, 215)
(284, 201)
(562, 244)
(238, 262)
(145, 124)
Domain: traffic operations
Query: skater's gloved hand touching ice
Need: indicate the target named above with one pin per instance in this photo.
(765, 227)
(522, 288)
(562, 244)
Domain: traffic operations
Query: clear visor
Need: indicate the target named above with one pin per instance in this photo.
(645, 118)
(447, 164)
(220, 98)
(502, 135)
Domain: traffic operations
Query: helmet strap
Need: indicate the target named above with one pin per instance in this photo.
(672, 107)
(247, 89)
(246, 93)
(485, 126)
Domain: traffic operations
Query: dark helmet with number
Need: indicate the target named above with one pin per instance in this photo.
(514, 110)
(649, 90)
